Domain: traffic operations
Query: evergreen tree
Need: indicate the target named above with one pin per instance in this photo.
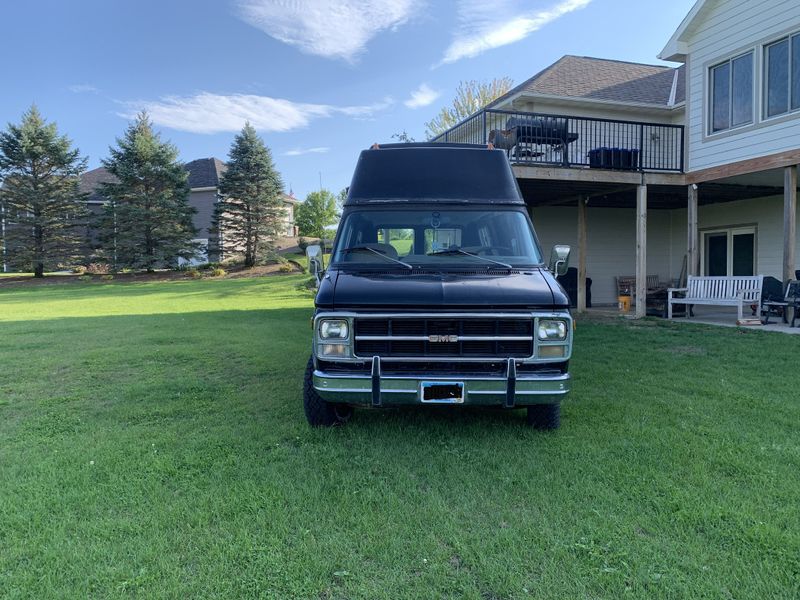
(317, 212)
(250, 212)
(44, 213)
(147, 222)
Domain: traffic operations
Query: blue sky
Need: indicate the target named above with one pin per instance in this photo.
(320, 79)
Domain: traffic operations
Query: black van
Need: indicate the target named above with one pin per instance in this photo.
(437, 292)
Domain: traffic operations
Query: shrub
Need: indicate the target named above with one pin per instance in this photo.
(193, 274)
(97, 268)
(233, 261)
(218, 272)
(79, 270)
(285, 268)
(85, 277)
(108, 277)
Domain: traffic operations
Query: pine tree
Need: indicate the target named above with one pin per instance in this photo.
(147, 222)
(44, 213)
(250, 213)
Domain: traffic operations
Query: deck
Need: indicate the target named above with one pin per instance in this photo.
(570, 142)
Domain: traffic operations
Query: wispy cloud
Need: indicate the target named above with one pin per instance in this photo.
(83, 88)
(301, 151)
(422, 96)
(215, 113)
(330, 28)
(487, 25)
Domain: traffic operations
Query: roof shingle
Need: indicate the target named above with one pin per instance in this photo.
(601, 79)
(203, 173)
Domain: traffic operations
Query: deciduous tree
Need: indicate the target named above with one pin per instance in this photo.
(250, 213)
(44, 213)
(316, 213)
(471, 96)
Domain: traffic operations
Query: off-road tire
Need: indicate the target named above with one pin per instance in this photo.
(320, 413)
(544, 416)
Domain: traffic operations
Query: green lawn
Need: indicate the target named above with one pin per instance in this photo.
(153, 443)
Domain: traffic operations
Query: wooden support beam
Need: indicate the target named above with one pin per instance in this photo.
(641, 251)
(789, 221)
(582, 202)
(692, 249)
(596, 175)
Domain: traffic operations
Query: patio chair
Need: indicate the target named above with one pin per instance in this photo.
(778, 304)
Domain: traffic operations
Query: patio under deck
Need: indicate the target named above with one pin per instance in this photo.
(562, 160)
(705, 315)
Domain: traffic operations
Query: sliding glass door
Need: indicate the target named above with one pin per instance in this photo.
(729, 251)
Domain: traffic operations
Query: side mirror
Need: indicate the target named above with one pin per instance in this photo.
(559, 259)
(315, 267)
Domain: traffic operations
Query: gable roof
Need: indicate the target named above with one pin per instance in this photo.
(676, 48)
(587, 78)
(203, 173)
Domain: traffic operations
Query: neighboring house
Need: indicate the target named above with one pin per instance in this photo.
(614, 158)
(289, 203)
(204, 179)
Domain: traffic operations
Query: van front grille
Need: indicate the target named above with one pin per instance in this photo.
(472, 337)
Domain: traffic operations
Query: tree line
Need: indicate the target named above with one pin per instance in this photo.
(146, 221)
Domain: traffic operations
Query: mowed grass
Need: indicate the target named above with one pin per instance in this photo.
(153, 444)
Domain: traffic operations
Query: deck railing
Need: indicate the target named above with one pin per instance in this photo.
(568, 141)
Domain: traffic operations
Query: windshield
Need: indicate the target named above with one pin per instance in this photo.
(445, 237)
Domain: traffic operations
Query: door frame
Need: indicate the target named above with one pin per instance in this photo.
(730, 230)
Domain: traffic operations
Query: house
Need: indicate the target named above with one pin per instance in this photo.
(657, 170)
(289, 204)
(743, 128)
(204, 179)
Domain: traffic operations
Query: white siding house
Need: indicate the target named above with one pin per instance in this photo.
(743, 124)
(718, 141)
(717, 31)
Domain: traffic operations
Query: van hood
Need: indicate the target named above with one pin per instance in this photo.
(525, 289)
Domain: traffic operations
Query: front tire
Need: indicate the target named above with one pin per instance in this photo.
(544, 416)
(320, 413)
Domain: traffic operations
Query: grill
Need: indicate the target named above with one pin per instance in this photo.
(420, 337)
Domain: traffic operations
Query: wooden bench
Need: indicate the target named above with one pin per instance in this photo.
(718, 291)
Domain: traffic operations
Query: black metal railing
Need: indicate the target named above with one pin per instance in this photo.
(566, 141)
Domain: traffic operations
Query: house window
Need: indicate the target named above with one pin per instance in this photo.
(731, 102)
(728, 252)
(782, 80)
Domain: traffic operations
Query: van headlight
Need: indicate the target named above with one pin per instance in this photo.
(552, 330)
(333, 339)
(333, 329)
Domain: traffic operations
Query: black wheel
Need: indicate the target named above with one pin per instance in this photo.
(320, 413)
(544, 416)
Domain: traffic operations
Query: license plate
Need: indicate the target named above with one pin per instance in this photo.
(442, 392)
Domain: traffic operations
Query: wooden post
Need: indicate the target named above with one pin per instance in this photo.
(641, 251)
(692, 249)
(582, 202)
(789, 224)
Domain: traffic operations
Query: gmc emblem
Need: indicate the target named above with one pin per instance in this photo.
(443, 338)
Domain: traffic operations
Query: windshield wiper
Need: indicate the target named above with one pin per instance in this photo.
(377, 253)
(457, 250)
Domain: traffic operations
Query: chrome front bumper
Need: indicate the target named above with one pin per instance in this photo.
(394, 390)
